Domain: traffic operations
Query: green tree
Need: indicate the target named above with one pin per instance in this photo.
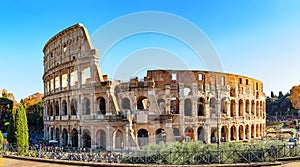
(22, 130)
(1, 140)
(11, 131)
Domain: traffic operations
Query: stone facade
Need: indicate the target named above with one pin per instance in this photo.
(82, 108)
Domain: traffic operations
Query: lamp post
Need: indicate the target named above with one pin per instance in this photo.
(217, 114)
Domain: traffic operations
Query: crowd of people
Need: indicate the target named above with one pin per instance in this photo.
(74, 154)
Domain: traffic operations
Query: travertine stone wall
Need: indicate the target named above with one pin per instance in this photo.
(82, 108)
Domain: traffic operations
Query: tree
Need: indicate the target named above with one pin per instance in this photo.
(22, 129)
(295, 97)
(1, 140)
(11, 131)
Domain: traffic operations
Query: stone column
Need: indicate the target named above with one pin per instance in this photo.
(93, 138)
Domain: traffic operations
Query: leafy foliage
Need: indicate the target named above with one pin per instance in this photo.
(280, 106)
(34, 110)
(22, 129)
(11, 131)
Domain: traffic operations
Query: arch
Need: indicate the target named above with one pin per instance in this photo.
(118, 140)
(200, 132)
(142, 103)
(73, 107)
(64, 137)
(86, 137)
(56, 107)
(57, 134)
(257, 130)
(201, 106)
(174, 105)
(102, 105)
(143, 137)
(64, 108)
(86, 106)
(187, 107)
(74, 136)
(247, 106)
(224, 105)
(126, 103)
(252, 131)
(50, 109)
(252, 107)
(161, 106)
(214, 134)
(247, 132)
(261, 130)
(160, 135)
(101, 139)
(86, 75)
(233, 133)
(188, 132)
(261, 108)
(241, 132)
(232, 108)
(241, 108)
(224, 134)
(73, 77)
(257, 109)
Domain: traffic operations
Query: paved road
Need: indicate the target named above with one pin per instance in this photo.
(8, 162)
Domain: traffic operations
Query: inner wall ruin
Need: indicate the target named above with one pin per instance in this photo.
(83, 108)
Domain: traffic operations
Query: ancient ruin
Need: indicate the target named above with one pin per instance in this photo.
(83, 108)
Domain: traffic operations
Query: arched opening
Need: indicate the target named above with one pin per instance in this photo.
(50, 109)
(51, 134)
(118, 140)
(257, 109)
(241, 132)
(161, 106)
(241, 108)
(261, 108)
(200, 132)
(212, 105)
(86, 106)
(261, 130)
(247, 132)
(247, 107)
(57, 134)
(143, 137)
(64, 107)
(187, 107)
(188, 132)
(102, 105)
(86, 75)
(232, 108)
(74, 136)
(56, 108)
(142, 103)
(73, 107)
(252, 108)
(224, 106)
(233, 133)
(214, 134)
(126, 103)
(73, 77)
(201, 106)
(86, 137)
(224, 134)
(101, 139)
(174, 106)
(257, 130)
(160, 135)
(65, 137)
(252, 131)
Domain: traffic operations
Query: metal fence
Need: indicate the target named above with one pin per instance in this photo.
(199, 156)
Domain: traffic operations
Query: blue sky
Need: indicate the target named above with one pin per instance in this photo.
(257, 38)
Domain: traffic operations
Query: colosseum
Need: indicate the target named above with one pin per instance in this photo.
(83, 108)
